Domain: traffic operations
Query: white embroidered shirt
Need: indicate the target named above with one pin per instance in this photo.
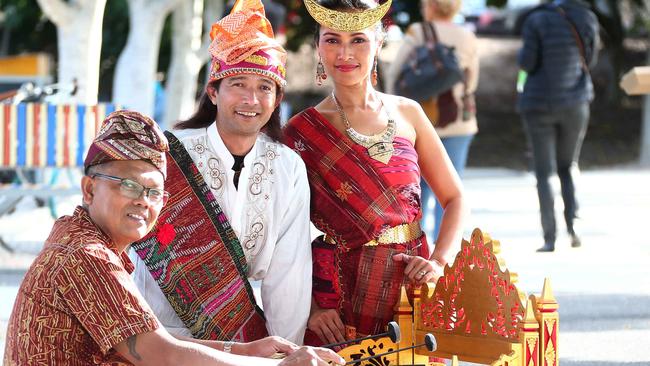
(270, 215)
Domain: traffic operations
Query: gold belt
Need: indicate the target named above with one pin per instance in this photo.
(393, 235)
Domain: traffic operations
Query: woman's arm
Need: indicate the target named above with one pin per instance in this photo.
(439, 173)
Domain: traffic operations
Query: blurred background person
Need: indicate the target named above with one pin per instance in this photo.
(457, 133)
(560, 43)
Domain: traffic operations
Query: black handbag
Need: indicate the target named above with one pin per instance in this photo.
(430, 70)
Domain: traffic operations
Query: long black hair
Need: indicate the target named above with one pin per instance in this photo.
(206, 114)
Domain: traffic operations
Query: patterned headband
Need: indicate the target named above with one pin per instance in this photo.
(128, 135)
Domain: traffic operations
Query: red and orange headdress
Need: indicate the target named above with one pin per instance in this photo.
(243, 43)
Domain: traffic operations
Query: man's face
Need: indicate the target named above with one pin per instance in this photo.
(122, 218)
(244, 103)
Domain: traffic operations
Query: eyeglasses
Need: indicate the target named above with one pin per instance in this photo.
(132, 189)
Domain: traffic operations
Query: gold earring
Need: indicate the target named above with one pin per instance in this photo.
(320, 73)
(374, 73)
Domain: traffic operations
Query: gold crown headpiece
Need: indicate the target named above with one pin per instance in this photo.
(343, 21)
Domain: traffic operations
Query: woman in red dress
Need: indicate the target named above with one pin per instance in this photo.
(365, 151)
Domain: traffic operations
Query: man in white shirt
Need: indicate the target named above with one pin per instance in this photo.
(239, 205)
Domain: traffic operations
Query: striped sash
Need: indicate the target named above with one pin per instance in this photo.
(197, 260)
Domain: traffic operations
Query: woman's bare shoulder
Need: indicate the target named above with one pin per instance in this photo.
(405, 106)
(409, 115)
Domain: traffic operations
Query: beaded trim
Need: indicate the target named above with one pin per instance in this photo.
(248, 70)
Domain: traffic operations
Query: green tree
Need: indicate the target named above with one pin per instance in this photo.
(23, 28)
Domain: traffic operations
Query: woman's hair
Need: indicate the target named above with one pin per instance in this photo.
(206, 114)
(349, 6)
(445, 8)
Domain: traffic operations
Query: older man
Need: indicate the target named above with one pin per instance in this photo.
(78, 304)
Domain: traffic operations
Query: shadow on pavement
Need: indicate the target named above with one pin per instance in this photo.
(602, 312)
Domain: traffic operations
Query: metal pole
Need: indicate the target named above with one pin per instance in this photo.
(644, 150)
(644, 155)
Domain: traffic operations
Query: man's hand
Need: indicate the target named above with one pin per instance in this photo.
(420, 270)
(327, 324)
(265, 347)
(312, 356)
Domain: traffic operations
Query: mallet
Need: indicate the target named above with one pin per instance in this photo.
(429, 342)
(392, 332)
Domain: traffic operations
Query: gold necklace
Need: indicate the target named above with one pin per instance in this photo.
(379, 146)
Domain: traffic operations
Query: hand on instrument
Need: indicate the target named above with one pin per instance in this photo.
(420, 270)
(265, 347)
(312, 356)
(327, 324)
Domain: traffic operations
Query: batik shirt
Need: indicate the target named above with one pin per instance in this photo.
(77, 300)
(269, 213)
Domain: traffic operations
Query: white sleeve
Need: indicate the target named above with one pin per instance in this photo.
(286, 288)
(156, 299)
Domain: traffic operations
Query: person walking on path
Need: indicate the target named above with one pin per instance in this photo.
(560, 43)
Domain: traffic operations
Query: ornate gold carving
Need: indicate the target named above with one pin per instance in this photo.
(371, 347)
(474, 297)
(344, 21)
(550, 326)
(531, 342)
(507, 359)
(547, 301)
(472, 310)
(454, 360)
(549, 355)
(530, 323)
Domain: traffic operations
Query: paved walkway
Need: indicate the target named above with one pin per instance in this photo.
(602, 288)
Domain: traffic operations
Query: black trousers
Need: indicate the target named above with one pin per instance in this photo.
(556, 140)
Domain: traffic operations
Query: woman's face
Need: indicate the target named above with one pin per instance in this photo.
(348, 57)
